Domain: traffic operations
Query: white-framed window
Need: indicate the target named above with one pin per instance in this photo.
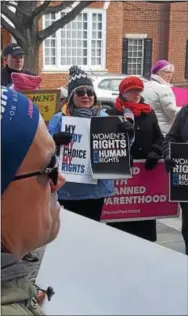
(135, 56)
(49, 51)
(81, 42)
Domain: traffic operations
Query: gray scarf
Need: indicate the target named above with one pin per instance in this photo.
(83, 112)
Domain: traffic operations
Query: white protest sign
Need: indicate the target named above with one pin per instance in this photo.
(95, 269)
(75, 157)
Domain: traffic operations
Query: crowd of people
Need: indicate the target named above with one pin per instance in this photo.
(32, 188)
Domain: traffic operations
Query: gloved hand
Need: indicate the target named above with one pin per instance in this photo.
(62, 138)
(127, 127)
(169, 164)
(152, 160)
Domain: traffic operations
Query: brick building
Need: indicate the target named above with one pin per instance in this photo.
(117, 37)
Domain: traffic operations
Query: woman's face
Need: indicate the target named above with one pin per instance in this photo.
(166, 75)
(132, 96)
(84, 97)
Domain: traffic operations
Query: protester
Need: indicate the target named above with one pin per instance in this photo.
(179, 134)
(158, 93)
(147, 143)
(84, 199)
(29, 206)
(14, 58)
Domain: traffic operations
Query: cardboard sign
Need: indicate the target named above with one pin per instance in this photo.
(178, 177)
(75, 157)
(110, 156)
(47, 101)
(145, 196)
(95, 269)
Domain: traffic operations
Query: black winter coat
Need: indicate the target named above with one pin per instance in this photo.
(178, 132)
(148, 138)
(6, 80)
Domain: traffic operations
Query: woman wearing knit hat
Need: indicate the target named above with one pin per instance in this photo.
(159, 94)
(84, 199)
(147, 144)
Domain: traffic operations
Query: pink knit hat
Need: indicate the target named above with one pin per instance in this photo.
(162, 64)
(21, 81)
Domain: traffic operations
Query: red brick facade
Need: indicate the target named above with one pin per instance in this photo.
(165, 23)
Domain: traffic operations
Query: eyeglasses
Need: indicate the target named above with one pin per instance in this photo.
(51, 171)
(81, 92)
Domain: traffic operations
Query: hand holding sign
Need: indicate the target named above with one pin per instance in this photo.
(127, 127)
(62, 138)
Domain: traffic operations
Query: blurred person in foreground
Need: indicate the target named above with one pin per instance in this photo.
(159, 94)
(178, 134)
(29, 209)
(23, 82)
(147, 143)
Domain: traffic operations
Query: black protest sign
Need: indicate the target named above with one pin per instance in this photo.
(179, 174)
(110, 157)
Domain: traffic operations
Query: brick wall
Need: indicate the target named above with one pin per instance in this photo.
(5, 40)
(150, 19)
(178, 34)
(114, 37)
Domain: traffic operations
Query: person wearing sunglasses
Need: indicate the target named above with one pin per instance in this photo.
(83, 199)
(29, 206)
(147, 144)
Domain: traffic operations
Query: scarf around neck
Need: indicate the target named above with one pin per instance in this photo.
(136, 108)
(80, 112)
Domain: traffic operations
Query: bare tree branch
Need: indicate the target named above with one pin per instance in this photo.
(8, 13)
(26, 8)
(40, 9)
(63, 20)
(16, 34)
(58, 8)
(13, 5)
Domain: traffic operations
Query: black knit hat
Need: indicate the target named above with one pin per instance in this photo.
(77, 78)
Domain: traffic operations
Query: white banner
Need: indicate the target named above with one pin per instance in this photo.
(95, 269)
(75, 157)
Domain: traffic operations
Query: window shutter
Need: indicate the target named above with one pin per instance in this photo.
(125, 56)
(186, 61)
(147, 57)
